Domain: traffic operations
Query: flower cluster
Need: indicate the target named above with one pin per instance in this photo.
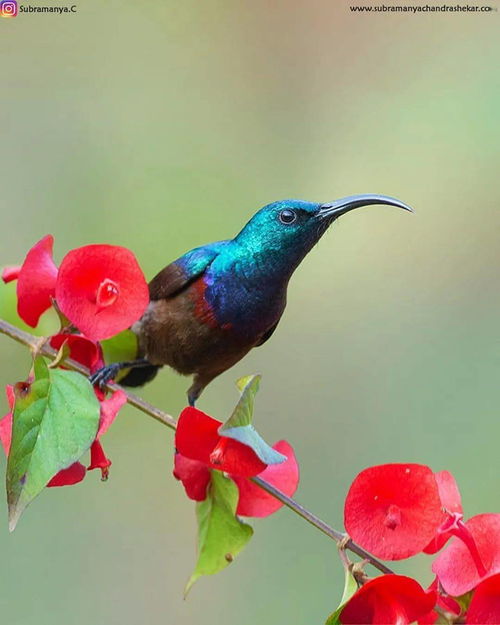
(399, 510)
(200, 448)
(100, 290)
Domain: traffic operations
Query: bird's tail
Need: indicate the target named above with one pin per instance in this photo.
(139, 375)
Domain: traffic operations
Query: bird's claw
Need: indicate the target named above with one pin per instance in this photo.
(103, 375)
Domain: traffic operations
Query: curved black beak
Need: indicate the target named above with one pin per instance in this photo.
(332, 210)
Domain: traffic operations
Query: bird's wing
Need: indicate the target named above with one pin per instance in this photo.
(267, 335)
(179, 274)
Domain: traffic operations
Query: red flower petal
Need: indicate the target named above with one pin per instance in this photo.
(109, 409)
(101, 289)
(194, 475)
(236, 458)
(451, 502)
(196, 434)
(6, 422)
(484, 609)
(255, 502)
(393, 510)
(457, 569)
(196, 438)
(448, 492)
(6, 432)
(83, 350)
(388, 599)
(99, 460)
(67, 477)
(11, 273)
(36, 282)
(443, 601)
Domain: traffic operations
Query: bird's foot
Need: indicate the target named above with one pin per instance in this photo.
(103, 375)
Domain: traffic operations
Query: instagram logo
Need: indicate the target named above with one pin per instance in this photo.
(8, 8)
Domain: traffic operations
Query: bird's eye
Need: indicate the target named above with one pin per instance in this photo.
(287, 216)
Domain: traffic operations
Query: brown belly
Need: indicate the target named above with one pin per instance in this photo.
(170, 334)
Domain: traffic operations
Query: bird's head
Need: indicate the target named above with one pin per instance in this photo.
(288, 229)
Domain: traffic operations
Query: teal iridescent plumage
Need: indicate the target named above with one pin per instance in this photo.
(216, 302)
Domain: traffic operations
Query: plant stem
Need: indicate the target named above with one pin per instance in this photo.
(33, 342)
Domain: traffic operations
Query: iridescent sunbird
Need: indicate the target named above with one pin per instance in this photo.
(212, 305)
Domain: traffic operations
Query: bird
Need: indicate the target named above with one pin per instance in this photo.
(215, 303)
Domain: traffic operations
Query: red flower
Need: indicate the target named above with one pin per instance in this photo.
(101, 289)
(388, 599)
(83, 350)
(393, 510)
(99, 460)
(197, 438)
(471, 558)
(451, 503)
(484, 609)
(200, 448)
(254, 501)
(36, 281)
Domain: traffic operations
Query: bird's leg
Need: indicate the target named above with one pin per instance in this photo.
(195, 390)
(102, 376)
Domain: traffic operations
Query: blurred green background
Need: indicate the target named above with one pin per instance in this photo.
(163, 126)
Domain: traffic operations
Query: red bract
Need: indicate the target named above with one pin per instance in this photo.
(254, 501)
(464, 563)
(6, 422)
(448, 492)
(197, 438)
(101, 289)
(451, 503)
(393, 510)
(484, 609)
(83, 350)
(194, 475)
(109, 409)
(67, 477)
(394, 599)
(446, 603)
(36, 281)
(99, 460)
(11, 273)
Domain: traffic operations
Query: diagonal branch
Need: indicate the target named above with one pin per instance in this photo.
(33, 342)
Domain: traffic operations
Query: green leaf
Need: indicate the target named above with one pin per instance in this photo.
(350, 587)
(464, 601)
(243, 411)
(221, 535)
(55, 421)
(239, 425)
